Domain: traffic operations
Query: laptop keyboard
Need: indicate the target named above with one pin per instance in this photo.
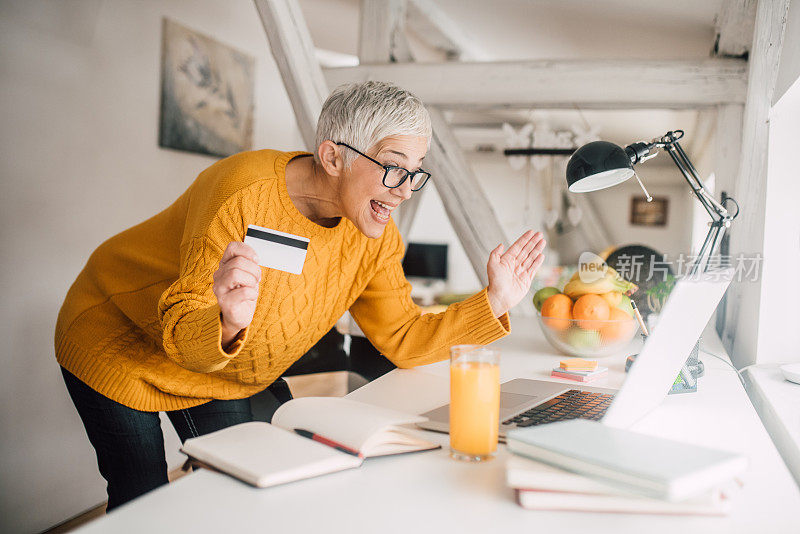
(572, 404)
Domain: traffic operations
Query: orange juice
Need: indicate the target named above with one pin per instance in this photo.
(474, 408)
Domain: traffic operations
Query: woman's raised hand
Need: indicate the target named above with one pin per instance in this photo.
(511, 273)
(236, 288)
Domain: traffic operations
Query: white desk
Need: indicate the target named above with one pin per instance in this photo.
(429, 492)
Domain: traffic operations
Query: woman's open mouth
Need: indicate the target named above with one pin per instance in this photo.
(381, 211)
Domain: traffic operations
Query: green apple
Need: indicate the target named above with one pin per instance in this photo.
(542, 295)
(583, 339)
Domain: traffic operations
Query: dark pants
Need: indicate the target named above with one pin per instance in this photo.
(130, 445)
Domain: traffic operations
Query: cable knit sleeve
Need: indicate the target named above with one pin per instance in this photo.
(395, 325)
(188, 309)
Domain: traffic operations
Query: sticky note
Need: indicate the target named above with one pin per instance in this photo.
(578, 364)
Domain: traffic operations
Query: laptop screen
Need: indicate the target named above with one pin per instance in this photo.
(682, 320)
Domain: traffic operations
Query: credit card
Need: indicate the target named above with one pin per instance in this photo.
(277, 250)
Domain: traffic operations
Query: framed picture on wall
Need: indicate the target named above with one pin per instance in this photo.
(207, 91)
(644, 213)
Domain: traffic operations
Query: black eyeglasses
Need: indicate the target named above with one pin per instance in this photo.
(394, 176)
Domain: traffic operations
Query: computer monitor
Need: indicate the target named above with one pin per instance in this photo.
(426, 260)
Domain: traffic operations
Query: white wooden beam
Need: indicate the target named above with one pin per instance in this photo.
(702, 132)
(404, 218)
(727, 147)
(743, 312)
(436, 29)
(470, 213)
(727, 151)
(381, 40)
(294, 54)
(734, 28)
(381, 32)
(606, 84)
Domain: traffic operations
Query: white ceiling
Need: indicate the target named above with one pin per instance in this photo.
(561, 29)
(549, 29)
(556, 29)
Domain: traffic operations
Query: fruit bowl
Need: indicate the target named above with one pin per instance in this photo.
(592, 315)
(588, 338)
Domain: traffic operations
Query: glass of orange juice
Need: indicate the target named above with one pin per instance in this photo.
(474, 402)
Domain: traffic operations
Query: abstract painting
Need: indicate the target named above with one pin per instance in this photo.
(207, 93)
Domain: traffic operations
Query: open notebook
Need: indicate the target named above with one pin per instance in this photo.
(308, 437)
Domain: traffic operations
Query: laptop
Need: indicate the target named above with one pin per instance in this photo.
(525, 402)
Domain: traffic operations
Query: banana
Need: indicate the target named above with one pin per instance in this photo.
(610, 270)
(610, 282)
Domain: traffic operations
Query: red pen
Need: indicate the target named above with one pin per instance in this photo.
(325, 441)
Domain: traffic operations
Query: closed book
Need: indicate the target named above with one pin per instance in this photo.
(523, 473)
(544, 487)
(712, 503)
(308, 437)
(651, 466)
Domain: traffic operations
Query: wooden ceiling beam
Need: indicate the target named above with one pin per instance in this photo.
(734, 25)
(608, 84)
(382, 32)
(294, 54)
(467, 207)
(382, 40)
(435, 28)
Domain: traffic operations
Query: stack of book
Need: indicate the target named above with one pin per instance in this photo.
(579, 370)
(583, 466)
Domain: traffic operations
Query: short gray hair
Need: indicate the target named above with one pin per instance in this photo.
(361, 114)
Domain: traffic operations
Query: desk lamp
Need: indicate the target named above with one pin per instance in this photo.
(600, 164)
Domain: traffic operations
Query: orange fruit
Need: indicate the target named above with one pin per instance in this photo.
(619, 325)
(557, 312)
(590, 311)
(613, 298)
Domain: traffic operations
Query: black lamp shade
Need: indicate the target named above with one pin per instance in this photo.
(598, 165)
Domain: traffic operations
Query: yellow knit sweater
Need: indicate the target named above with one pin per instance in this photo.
(141, 324)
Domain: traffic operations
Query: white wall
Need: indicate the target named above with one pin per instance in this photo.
(778, 335)
(614, 204)
(79, 161)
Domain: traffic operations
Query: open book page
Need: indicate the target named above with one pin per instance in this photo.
(396, 440)
(265, 455)
(371, 430)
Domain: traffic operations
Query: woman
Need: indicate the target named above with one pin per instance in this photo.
(177, 315)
